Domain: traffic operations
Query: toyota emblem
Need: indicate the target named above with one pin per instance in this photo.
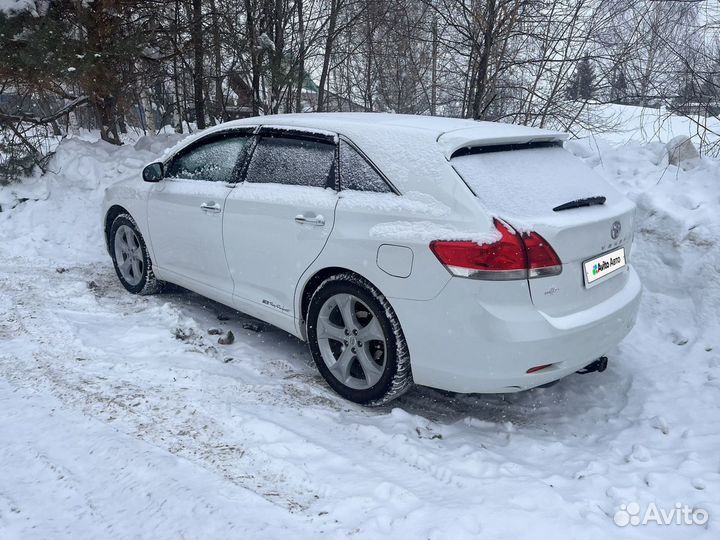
(615, 230)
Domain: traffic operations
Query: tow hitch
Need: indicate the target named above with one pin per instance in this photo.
(598, 365)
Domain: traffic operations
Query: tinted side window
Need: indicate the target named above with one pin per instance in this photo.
(356, 173)
(294, 161)
(214, 160)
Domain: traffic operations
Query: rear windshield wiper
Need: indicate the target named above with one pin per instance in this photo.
(579, 203)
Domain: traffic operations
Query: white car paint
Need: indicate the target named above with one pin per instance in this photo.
(268, 250)
(463, 335)
(187, 239)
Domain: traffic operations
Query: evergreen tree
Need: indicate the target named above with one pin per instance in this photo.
(618, 85)
(586, 79)
(79, 49)
(582, 83)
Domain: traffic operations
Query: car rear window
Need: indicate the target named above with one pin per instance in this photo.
(529, 181)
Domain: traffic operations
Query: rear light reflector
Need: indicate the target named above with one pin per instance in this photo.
(512, 257)
(538, 368)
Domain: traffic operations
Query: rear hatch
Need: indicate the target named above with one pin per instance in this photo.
(541, 187)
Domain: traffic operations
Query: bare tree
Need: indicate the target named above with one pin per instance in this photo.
(146, 65)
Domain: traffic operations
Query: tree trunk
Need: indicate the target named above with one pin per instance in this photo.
(433, 88)
(481, 90)
(105, 114)
(219, 111)
(198, 54)
(254, 56)
(328, 52)
(278, 78)
(369, 30)
(301, 57)
(469, 86)
(103, 83)
(178, 105)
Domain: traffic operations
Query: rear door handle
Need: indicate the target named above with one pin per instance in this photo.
(211, 206)
(318, 220)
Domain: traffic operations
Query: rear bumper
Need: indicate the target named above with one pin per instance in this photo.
(483, 337)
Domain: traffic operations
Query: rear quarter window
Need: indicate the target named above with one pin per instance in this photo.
(357, 174)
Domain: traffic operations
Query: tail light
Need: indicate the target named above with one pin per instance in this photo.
(514, 256)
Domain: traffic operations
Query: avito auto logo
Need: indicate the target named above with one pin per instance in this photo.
(601, 267)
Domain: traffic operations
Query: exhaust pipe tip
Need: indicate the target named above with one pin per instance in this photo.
(598, 366)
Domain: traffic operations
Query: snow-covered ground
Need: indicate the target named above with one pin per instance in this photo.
(120, 416)
(627, 123)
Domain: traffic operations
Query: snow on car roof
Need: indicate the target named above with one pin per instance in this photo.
(451, 134)
(341, 122)
(412, 151)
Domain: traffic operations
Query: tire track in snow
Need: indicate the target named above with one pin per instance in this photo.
(266, 421)
(126, 405)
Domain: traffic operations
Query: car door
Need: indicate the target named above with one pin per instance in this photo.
(278, 220)
(185, 213)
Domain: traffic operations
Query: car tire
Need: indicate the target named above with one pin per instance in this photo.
(130, 257)
(344, 310)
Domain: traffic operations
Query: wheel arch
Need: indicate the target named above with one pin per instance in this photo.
(312, 284)
(112, 212)
(402, 379)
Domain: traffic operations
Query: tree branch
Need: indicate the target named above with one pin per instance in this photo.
(23, 117)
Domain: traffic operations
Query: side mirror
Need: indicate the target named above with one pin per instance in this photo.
(153, 172)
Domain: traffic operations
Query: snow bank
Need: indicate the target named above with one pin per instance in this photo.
(628, 123)
(57, 216)
(13, 7)
(677, 239)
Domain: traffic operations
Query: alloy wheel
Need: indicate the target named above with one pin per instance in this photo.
(129, 255)
(351, 341)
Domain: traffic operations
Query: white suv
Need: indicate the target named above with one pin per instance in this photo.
(466, 256)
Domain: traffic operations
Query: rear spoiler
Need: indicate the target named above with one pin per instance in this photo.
(492, 134)
(470, 150)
